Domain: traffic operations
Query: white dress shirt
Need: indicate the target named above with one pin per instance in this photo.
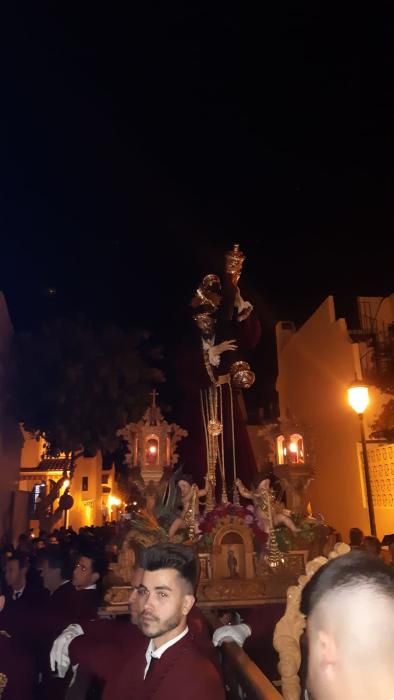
(157, 653)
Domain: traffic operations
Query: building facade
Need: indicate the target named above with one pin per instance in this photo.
(316, 364)
(13, 505)
(92, 488)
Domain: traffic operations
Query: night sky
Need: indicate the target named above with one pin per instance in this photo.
(136, 145)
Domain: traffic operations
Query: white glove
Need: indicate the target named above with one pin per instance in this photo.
(231, 633)
(59, 658)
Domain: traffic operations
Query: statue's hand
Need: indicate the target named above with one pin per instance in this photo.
(238, 299)
(227, 345)
(244, 308)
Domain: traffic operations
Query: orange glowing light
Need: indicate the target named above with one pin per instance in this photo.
(358, 397)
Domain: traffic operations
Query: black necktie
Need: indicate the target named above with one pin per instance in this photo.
(151, 665)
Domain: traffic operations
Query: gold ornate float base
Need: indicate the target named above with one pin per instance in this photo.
(232, 575)
(266, 586)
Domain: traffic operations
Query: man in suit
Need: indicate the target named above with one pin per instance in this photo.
(171, 659)
(87, 579)
(100, 646)
(89, 569)
(55, 568)
(20, 592)
(96, 650)
(15, 572)
(116, 652)
(349, 604)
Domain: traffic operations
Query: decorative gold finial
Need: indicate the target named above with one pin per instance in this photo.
(242, 377)
(234, 262)
(208, 293)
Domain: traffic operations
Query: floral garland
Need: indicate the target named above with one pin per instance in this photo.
(208, 522)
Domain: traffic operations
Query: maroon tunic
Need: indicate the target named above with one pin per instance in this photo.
(17, 671)
(182, 669)
(65, 606)
(192, 377)
(108, 644)
(104, 646)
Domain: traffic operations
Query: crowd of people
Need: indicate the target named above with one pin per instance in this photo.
(53, 645)
(371, 545)
(46, 583)
(50, 628)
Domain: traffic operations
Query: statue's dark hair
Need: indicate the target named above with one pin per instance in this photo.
(185, 477)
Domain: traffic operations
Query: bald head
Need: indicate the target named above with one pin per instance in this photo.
(349, 605)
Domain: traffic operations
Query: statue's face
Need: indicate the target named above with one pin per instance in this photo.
(206, 324)
(184, 487)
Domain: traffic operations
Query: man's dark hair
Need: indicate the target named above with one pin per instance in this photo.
(348, 571)
(98, 559)
(20, 557)
(356, 537)
(57, 558)
(172, 556)
(372, 545)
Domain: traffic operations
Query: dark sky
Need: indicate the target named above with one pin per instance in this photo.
(137, 144)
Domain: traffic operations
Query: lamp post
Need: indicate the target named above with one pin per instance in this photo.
(358, 397)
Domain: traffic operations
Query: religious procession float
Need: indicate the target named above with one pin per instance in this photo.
(199, 484)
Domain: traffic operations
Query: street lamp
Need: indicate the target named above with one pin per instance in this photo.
(358, 397)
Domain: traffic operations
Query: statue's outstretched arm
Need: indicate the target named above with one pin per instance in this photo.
(243, 490)
(204, 491)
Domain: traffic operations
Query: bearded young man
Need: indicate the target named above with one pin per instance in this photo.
(116, 653)
(171, 660)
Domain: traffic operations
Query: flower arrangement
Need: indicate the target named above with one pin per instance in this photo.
(209, 521)
(308, 533)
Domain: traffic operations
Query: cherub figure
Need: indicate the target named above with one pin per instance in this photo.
(269, 512)
(190, 495)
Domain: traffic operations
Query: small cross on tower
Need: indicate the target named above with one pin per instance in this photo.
(153, 395)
